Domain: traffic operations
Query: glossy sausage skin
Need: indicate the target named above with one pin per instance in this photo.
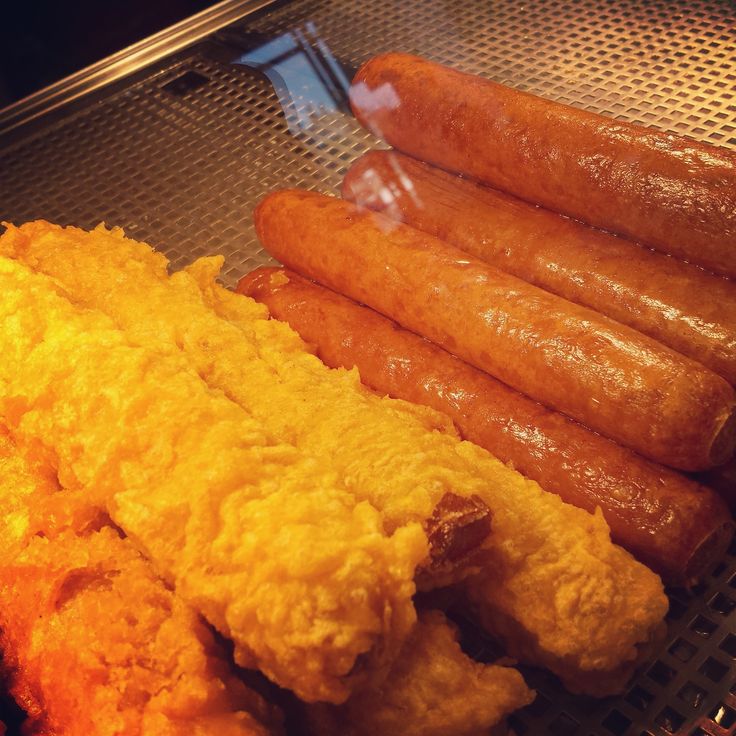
(670, 192)
(608, 376)
(723, 480)
(680, 305)
(673, 525)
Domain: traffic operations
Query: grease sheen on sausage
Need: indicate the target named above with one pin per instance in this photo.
(670, 192)
(606, 375)
(676, 303)
(670, 523)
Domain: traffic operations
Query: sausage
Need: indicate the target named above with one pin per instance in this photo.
(670, 523)
(680, 305)
(723, 480)
(669, 192)
(608, 376)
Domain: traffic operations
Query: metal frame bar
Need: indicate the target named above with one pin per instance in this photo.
(125, 62)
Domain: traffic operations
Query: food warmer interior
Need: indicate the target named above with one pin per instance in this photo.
(177, 138)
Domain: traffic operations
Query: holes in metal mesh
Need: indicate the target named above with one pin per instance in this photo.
(184, 171)
(722, 604)
(703, 626)
(639, 698)
(723, 716)
(670, 720)
(728, 645)
(713, 669)
(185, 83)
(683, 650)
(616, 723)
(661, 673)
(692, 694)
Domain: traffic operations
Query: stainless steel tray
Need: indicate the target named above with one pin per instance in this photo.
(178, 148)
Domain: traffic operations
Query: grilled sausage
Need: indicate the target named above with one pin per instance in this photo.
(672, 193)
(606, 375)
(676, 303)
(670, 523)
(723, 480)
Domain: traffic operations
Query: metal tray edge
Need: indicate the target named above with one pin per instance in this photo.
(125, 62)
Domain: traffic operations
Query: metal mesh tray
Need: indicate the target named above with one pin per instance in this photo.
(179, 154)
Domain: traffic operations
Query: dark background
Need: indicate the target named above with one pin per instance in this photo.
(45, 40)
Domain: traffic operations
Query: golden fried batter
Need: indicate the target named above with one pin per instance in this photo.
(32, 502)
(434, 689)
(556, 589)
(255, 535)
(95, 645)
(164, 313)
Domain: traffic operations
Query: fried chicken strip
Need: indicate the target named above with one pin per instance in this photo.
(34, 504)
(95, 644)
(165, 313)
(555, 588)
(255, 535)
(434, 689)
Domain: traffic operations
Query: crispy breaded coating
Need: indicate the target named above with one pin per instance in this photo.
(166, 313)
(255, 535)
(555, 588)
(93, 642)
(33, 503)
(96, 645)
(434, 689)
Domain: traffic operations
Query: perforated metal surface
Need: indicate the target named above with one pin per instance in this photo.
(180, 158)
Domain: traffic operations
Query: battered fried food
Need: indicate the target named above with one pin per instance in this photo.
(254, 535)
(260, 373)
(93, 643)
(555, 587)
(96, 645)
(33, 503)
(434, 689)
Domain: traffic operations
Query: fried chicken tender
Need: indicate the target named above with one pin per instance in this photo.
(554, 587)
(32, 502)
(130, 283)
(256, 536)
(434, 689)
(94, 644)
(97, 645)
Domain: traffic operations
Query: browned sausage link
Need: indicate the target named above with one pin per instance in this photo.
(723, 480)
(672, 193)
(672, 524)
(606, 375)
(691, 310)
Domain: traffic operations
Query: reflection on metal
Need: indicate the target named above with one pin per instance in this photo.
(180, 162)
(304, 73)
(127, 61)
